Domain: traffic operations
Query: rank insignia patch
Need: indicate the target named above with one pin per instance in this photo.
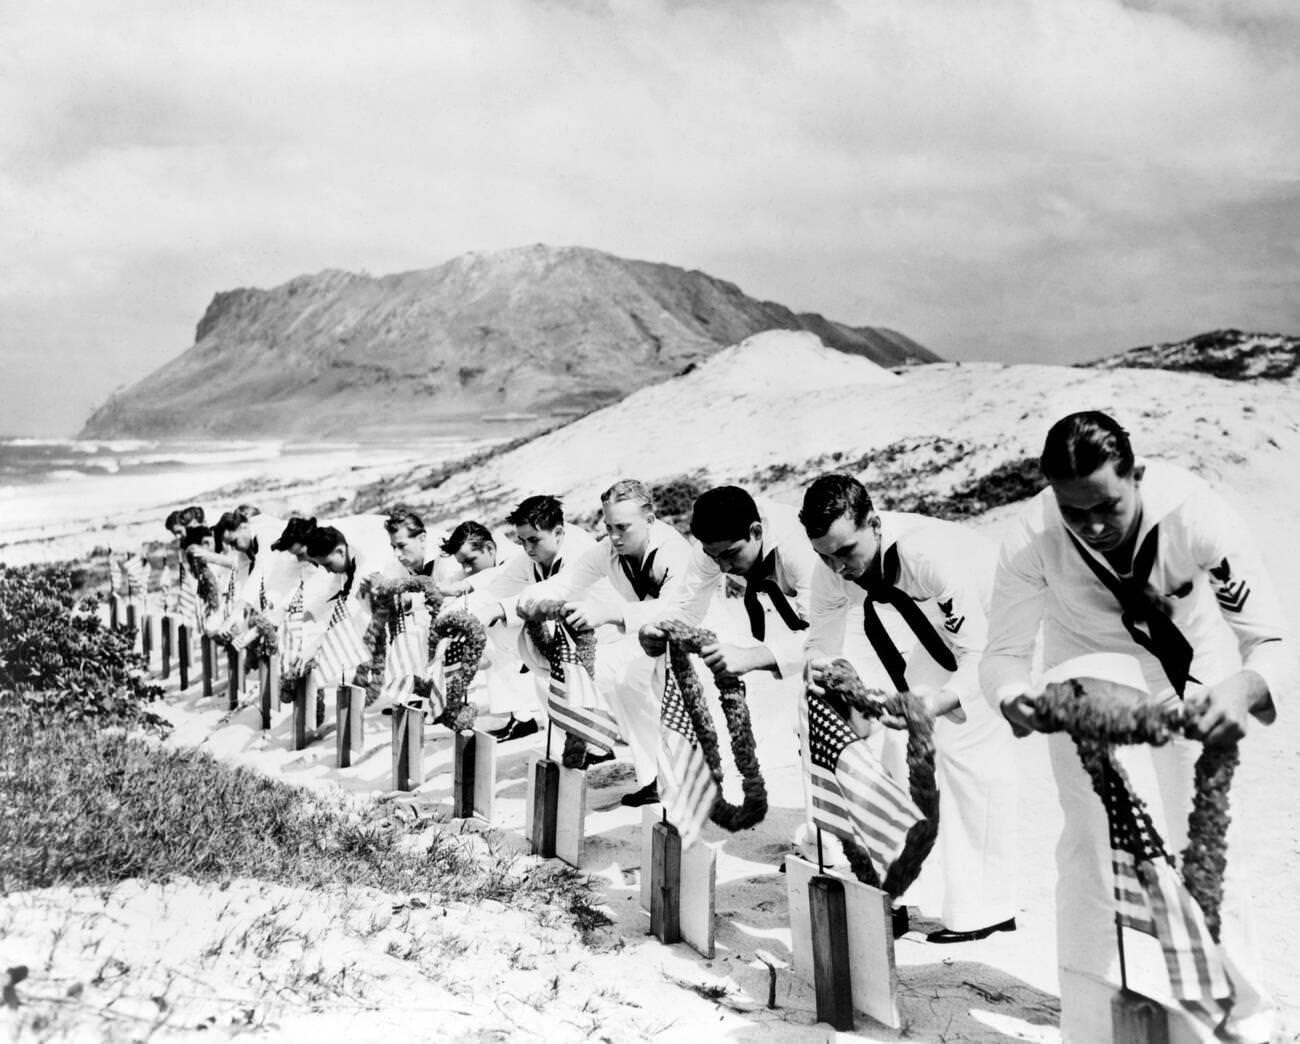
(1232, 594)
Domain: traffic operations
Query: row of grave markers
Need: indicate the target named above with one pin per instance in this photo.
(842, 930)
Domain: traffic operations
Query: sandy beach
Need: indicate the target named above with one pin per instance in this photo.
(930, 431)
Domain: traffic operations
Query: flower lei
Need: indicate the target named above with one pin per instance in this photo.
(268, 634)
(843, 680)
(1066, 707)
(206, 583)
(385, 603)
(463, 630)
(535, 615)
(683, 640)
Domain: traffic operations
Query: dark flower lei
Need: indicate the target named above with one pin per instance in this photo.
(385, 599)
(268, 634)
(205, 582)
(683, 640)
(463, 629)
(1066, 707)
(842, 680)
(535, 615)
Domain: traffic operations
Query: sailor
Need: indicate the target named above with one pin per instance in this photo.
(1139, 557)
(933, 580)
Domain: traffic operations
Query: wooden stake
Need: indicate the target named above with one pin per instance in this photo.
(235, 679)
(183, 655)
(349, 710)
(665, 882)
(462, 785)
(1137, 1019)
(166, 628)
(114, 612)
(130, 619)
(830, 944)
(408, 745)
(546, 797)
(146, 640)
(301, 696)
(209, 666)
(269, 686)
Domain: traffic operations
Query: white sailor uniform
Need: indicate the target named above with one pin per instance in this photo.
(939, 577)
(1205, 574)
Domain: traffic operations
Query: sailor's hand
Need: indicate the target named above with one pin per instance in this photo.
(1223, 711)
(653, 640)
(1021, 712)
(585, 616)
(729, 662)
(814, 675)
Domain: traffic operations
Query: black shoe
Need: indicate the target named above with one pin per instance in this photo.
(515, 729)
(944, 935)
(647, 795)
(901, 921)
(591, 758)
(504, 731)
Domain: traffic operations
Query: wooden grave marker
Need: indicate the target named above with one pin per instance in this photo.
(268, 687)
(166, 625)
(408, 745)
(696, 886)
(183, 649)
(571, 815)
(483, 787)
(130, 619)
(146, 640)
(235, 675)
(1108, 1013)
(464, 758)
(114, 612)
(208, 664)
(350, 718)
(868, 931)
(301, 708)
(542, 805)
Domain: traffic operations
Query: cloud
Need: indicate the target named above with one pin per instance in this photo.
(918, 163)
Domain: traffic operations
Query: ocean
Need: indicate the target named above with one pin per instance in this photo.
(61, 497)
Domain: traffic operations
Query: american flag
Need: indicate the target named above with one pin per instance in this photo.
(1150, 897)
(852, 795)
(291, 636)
(686, 786)
(574, 703)
(188, 607)
(341, 650)
(406, 656)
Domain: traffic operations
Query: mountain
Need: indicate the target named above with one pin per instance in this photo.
(1230, 354)
(531, 330)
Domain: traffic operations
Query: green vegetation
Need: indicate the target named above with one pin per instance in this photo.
(91, 798)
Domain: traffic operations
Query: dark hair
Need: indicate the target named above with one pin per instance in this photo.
(195, 535)
(1079, 444)
(723, 513)
(629, 489)
(228, 521)
(172, 520)
(475, 534)
(322, 540)
(190, 516)
(402, 517)
(540, 512)
(296, 531)
(832, 497)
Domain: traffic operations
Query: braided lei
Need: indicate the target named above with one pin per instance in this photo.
(874, 704)
(683, 640)
(535, 616)
(463, 629)
(1066, 707)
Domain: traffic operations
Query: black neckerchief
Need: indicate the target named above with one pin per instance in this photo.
(886, 590)
(762, 578)
(1162, 638)
(642, 578)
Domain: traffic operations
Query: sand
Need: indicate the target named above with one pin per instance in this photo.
(517, 978)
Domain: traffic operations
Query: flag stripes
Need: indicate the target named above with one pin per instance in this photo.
(687, 788)
(406, 656)
(852, 794)
(573, 702)
(341, 649)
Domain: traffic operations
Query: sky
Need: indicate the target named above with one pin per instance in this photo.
(1019, 180)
